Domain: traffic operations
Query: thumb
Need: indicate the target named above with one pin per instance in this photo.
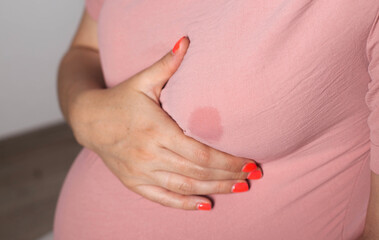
(152, 79)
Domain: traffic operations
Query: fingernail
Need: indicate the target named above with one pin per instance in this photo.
(256, 174)
(240, 187)
(249, 167)
(204, 206)
(177, 44)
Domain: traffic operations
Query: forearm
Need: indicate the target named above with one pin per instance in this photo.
(372, 220)
(79, 72)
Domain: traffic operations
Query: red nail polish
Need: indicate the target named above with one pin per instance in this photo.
(177, 44)
(240, 187)
(256, 174)
(249, 167)
(204, 206)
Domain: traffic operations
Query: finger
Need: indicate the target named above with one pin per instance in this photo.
(204, 155)
(152, 79)
(188, 186)
(172, 162)
(171, 199)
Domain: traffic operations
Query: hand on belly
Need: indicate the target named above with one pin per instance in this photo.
(149, 153)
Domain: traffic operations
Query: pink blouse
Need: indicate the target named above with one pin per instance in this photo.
(291, 84)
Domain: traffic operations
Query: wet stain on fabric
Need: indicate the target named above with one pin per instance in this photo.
(205, 122)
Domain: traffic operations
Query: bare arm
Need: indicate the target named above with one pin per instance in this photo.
(138, 141)
(371, 231)
(80, 68)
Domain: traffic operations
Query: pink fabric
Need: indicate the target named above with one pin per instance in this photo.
(292, 84)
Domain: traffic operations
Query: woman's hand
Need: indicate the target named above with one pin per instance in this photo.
(146, 149)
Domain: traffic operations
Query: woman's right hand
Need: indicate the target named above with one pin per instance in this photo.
(145, 148)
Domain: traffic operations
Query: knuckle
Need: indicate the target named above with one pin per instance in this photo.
(228, 165)
(220, 187)
(185, 205)
(203, 156)
(164, 64)
(151, 132)
(240, 175)
(171, 140)
(178, 138)
(200, 173)
(164, 201)
(185, 186)
(143, 154)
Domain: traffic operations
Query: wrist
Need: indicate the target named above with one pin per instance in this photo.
(81, 111)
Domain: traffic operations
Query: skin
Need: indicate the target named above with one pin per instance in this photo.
(137, 140)
(139, 143)
(371, 231)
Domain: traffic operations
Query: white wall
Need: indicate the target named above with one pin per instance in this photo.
(33, 37)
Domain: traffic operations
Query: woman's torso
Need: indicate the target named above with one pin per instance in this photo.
(281, 82)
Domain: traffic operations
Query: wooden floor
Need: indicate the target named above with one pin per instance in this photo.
(32, 169)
